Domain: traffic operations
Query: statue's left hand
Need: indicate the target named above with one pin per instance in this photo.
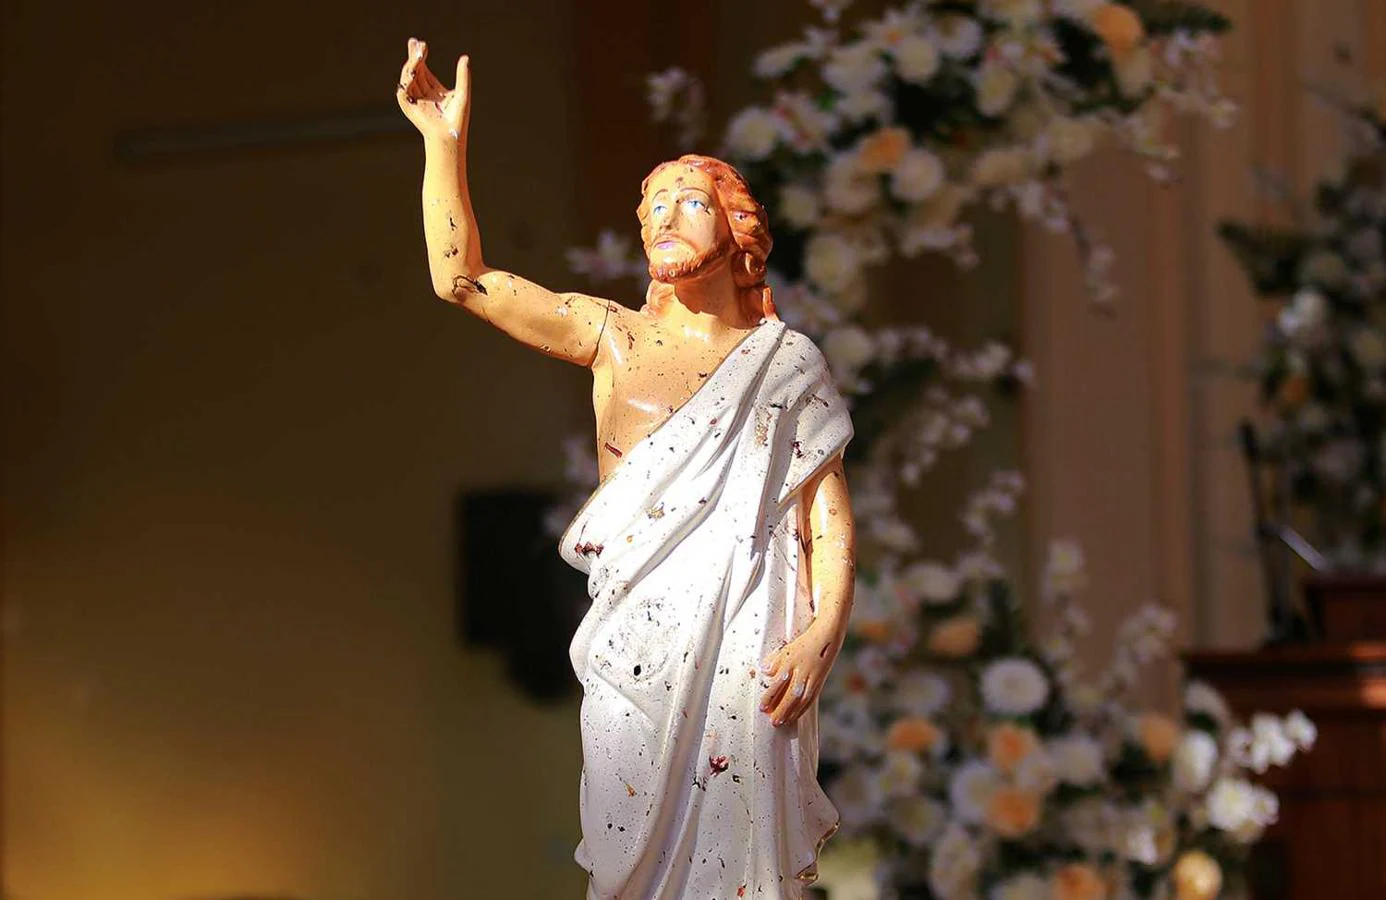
(798, 670)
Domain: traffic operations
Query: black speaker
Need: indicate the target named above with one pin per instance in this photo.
(515, 593)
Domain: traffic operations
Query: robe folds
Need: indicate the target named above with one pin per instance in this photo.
(691, 547)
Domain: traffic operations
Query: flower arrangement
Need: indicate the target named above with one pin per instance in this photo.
(982, 763)
(1322, 365)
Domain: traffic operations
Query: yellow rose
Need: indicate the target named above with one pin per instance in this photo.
(1077, 881)
(1118, 26)
(1158, 736)
(1293, 391)
(955, 637)
(875, 630)
(1009, 744)
(1012, 812)
(1197, 876)
(881, 150)
(912, 733)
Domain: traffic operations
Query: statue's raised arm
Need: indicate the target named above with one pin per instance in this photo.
(567, 326)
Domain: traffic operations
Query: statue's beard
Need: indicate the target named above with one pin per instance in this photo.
(694, 266)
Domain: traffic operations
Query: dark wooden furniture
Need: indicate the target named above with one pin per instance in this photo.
(1347, 607)
(1331, 837)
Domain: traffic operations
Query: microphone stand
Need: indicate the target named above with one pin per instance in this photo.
(1285, 624)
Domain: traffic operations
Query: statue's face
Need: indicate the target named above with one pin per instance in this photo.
(688, 231)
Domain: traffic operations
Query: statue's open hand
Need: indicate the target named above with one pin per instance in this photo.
(434, 110)
(797, 672)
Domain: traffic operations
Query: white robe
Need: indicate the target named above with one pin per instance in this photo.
(691, 548)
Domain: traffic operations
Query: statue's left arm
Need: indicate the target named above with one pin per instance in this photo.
(799, 669)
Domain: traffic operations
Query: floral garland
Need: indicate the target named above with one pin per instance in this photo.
(1322, 366)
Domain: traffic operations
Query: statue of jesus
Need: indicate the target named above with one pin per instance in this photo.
(719, 545)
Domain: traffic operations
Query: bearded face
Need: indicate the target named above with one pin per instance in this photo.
(688, 231)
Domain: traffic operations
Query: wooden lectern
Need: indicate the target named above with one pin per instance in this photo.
(1330, 841)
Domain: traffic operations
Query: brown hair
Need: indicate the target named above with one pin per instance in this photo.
(750, 228)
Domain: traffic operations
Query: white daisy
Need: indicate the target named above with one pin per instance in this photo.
(753, 133)
(917, 176)
(971, 788)
(831, 262)
(1025, 886)
(1078, 759)
(857, 795)
(1014, 686)
(920, 693)
(916, 58)
(917, 819)
(959, 36)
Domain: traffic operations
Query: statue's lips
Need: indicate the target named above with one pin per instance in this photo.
(668, 243)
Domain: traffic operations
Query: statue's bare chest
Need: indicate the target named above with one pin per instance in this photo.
(646, 378)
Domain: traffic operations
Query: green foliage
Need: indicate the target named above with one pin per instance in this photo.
(1271, 256)
(1163, 17)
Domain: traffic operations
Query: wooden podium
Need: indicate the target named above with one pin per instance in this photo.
(1330, 841)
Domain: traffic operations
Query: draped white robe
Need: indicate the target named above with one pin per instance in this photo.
(692, 550)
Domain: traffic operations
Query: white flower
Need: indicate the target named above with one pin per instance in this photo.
(753, 133)
(1263, 745)
(1147, 835)
(873, 665)
(848, 349)
(1068, 140)
(997, 167)
(779, 60)
(1325, 268)
(613, 258)
(1014, 687)
(959, 37)
(901, 773)
(800, 206)
(1025, 886)
(847, 189)
(1201, 698)
(1078, 759)
(859, 106)
(852, 68)
(804, 125)
(1066, 569)
(996, 87)
(916, 58)
(1012, 12)
(1241, 808)
(1091, 823)
(932, 581)
(857, 795)
(971, 788)
(954, 864)
(1037, 772)
(893, 27)
(1303, 316)
(1134, 71)
(831, 9)
(831, 262)
(920, 693)
(1194, 761)
(917, 819)
(917, 176)
(1300, 730)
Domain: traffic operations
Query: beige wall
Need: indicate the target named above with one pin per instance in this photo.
(1130, 440)
(234, 422)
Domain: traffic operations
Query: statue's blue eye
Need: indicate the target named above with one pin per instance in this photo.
(695, 203)
(659, 209)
